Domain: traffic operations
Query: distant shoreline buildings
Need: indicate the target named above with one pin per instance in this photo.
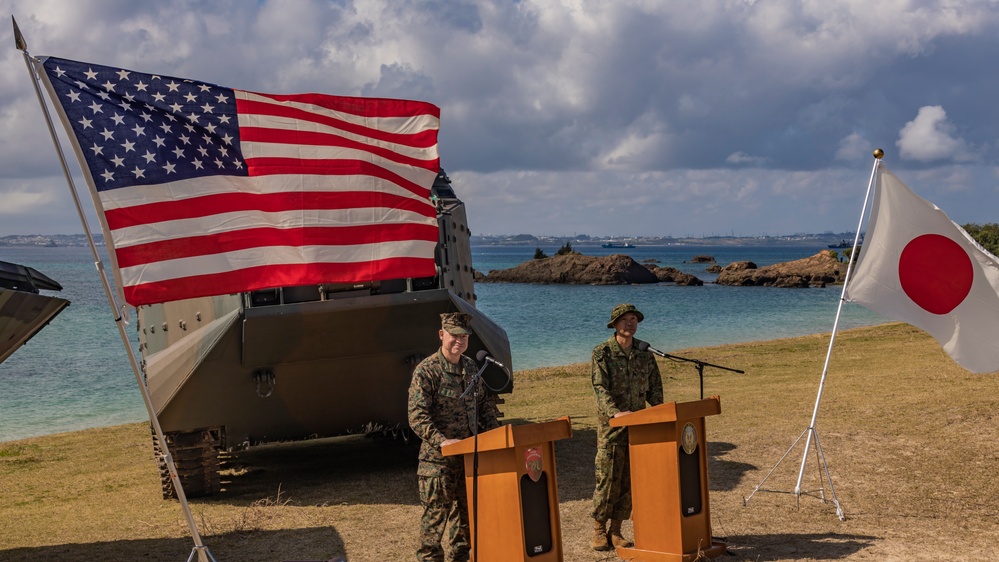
(49, 240)
(582, 240)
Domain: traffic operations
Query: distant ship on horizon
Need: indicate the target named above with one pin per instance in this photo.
(617, 245)
(846, 243)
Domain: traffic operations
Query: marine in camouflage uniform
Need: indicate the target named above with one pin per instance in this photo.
(438, 414)
(624, 380)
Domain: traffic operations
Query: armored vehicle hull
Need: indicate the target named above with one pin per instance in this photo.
(294, 363)
(23, 310)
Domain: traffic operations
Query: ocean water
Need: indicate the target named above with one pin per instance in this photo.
(75, 374)
(560, 324)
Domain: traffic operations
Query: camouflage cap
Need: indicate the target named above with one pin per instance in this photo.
(456, 323)
(622, 309)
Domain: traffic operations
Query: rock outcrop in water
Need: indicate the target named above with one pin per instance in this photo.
(577, 269)
(618, 269)
(815, 271)
(673, 275)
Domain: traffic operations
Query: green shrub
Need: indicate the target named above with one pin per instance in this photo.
(987, 235)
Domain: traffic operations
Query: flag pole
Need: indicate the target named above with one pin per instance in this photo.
(199, 549)
(811, 431)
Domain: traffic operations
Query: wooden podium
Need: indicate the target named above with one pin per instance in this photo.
(518, 492)
(669, 482)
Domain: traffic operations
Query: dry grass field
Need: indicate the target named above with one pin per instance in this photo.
(911, 441)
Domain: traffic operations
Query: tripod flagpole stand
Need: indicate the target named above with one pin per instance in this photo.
(811, 432)
(199, 552)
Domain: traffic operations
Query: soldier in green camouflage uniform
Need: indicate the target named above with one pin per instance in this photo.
(439, 416)
(624, 379)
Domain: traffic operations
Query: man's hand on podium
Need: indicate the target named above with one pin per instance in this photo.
(624, 413)
(448, 442)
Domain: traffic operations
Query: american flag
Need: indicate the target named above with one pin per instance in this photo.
(205, 190)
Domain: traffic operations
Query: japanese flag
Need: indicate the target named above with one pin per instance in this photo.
(918, 266)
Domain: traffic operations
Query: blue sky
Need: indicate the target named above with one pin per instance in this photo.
(624, 118)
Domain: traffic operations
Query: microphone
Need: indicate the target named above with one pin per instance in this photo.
(644, 346)
(484, 355)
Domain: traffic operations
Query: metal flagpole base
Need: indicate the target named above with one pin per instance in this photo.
(820, 458)
(810, 430)
(202, 553)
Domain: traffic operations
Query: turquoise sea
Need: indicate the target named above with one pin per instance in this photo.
(74, 374)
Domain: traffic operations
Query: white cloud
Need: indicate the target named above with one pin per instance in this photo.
(692, 106)
(740, 158)
(930, 137)
(853, 147)
(750, 201)
(18, 202)
(730, 111)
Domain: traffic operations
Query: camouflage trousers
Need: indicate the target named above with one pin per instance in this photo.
(445, 508)
(612, 494)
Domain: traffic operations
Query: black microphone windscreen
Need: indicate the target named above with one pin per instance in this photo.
(481, 355)
(643, 345)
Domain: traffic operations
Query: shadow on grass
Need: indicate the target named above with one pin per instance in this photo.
(320, 543)
(725, 475)
(815, 546)
(350, 470)
(575, 458)
(358, 470)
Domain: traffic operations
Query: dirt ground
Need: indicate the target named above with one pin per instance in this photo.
(910, 441)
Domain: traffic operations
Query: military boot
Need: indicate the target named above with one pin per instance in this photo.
(615, 536)
(600, 541)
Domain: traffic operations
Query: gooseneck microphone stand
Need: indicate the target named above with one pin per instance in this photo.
(473, 387)
(643, 346)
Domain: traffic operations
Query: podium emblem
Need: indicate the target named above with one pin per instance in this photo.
(532, 461)
(688, 438)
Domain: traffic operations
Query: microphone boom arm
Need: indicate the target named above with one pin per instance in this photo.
(700, 364)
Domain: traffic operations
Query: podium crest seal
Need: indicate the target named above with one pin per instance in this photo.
(688, 438)
(532, 462)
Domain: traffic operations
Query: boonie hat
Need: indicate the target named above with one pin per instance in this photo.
(456, 323)
(622, 309)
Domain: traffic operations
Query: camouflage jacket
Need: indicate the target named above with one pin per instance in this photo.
(437, 411)
(624, 382)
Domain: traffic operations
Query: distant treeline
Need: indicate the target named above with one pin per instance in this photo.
(985, 234)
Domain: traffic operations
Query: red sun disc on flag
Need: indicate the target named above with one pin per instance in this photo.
(935, 272)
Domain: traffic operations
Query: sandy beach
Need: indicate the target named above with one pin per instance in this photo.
(910, 440)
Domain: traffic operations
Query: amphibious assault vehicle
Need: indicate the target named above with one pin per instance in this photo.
(293, 363)
(23, 309)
